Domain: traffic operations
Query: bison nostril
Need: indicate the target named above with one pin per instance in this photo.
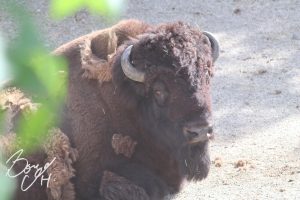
(192, 134)
(210, 129)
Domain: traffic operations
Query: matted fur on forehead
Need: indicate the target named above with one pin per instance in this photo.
(178, 46)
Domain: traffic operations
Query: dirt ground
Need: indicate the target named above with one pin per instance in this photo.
(256, 88)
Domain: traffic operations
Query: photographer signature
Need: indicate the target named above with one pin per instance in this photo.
(38, 171)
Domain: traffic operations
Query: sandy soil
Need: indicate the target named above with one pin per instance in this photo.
(256, 88)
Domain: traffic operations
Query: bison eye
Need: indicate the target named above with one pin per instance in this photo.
(160, 97)
(160, 93)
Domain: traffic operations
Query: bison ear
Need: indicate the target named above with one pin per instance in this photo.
(94, 67)
(104, 44)
(214, 45)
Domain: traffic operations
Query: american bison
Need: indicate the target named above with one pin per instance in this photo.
(138, 109)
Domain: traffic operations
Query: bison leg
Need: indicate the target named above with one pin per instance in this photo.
(140, 176)
(114, 187)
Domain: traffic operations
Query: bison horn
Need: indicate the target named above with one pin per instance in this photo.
(214, 45)
(129, 70)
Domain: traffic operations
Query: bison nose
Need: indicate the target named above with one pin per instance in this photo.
(198, 133)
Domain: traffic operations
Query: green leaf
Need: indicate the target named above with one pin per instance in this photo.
(98, 6)
(51, 72)
(34, 70)
(63, 8)
(7, 184)
(34, 128)
(4, 64)
(37, 72)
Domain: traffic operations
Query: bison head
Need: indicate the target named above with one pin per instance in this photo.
(164, 76)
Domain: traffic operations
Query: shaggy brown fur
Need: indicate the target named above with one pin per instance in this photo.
(16, 105)
(56, 145)
(61, 170)
(97, 48)
(123, 145)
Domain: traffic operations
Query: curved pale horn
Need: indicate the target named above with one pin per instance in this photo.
(214, 45)
(129, 70)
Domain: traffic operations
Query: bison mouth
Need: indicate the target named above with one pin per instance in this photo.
(196, 154)
(197, 160)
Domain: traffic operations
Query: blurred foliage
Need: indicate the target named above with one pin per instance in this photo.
(7, 185)
(38, 73)
(32, 66)
(63, 8)
(4, 74)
